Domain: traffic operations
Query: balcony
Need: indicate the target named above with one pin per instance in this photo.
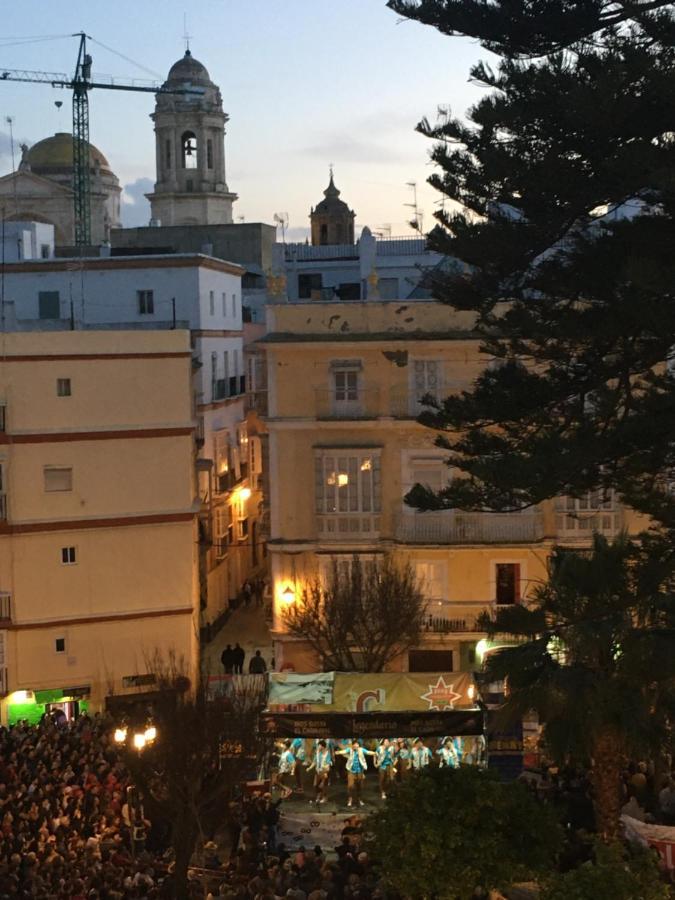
(362, 403)
(469, 528)
(348, 527)
(454, 617)
(404, 401)
(256, 401)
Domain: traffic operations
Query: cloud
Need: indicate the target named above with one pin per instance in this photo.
(348, 149)
(135, 208)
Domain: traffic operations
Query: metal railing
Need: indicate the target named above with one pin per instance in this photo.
(363, 403)
(348, 526)
(256, 401)
(469, 528)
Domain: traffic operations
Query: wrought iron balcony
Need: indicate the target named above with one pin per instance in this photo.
(361, 403)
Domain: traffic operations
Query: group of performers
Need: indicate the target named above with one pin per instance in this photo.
(394, 759)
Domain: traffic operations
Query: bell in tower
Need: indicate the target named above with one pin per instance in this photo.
(190, 151)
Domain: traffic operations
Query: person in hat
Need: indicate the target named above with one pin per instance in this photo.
(321, 763)
(356, 770)
(385, 763)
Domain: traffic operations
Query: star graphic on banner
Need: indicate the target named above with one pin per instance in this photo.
(441, 695)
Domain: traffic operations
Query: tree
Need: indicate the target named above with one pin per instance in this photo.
(203, 750)
(563, 217)
(525, 28)
(362, 616)
(618, 872)
(445, 832)
(595, 660)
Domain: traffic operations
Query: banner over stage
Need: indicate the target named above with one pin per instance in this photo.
(373, 724)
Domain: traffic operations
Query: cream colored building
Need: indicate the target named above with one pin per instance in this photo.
(343, 388)
(98, 512)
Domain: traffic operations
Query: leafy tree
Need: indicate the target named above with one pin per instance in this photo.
(361, 616)
(523, 27)
(563, 215)
(203, 750)
(618, 872)
(595, 660)
(445, 832)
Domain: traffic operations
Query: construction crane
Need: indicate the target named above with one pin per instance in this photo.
(81, 84)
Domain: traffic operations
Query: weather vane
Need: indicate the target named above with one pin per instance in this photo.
(186, 36)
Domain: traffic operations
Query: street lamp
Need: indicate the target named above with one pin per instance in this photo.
(150, 734)
(288, 595)
(139, 740)
(120, 735)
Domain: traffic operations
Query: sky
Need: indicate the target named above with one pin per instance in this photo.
(306, 83)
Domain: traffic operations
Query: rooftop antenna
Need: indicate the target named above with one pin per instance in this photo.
(282, 220)
(186, 37)
(418, 216)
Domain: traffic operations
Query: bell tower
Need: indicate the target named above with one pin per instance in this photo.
(190, 151)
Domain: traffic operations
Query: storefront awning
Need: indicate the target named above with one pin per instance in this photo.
(375, 724)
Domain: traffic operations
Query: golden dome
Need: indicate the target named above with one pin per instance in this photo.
(56, 153)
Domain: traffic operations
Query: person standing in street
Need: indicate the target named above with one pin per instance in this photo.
(257, 665)
(238, 656)
(227, 659)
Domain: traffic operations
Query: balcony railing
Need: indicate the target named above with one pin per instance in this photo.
(358, 404)
(256, 401)
(348, 526)
(405, 401)
(469, 528)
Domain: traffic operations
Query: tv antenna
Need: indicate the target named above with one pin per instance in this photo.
(418, 216)
(282, 220)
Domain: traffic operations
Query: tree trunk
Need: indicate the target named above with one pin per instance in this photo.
(606, 780)
(184, 837)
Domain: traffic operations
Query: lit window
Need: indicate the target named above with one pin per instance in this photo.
(348, 484)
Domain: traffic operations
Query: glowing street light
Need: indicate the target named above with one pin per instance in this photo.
(288, 595)
(120, 735)
(245, 493)
(150, 734)
(139, 740)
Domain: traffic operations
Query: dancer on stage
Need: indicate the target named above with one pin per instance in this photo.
(298, 750)
(448, 754)
(385, 763)
(286, 771)
(321, 763)
(421, 755)
(356, 770)
(403, 758)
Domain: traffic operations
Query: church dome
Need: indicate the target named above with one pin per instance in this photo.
(189, 69)
(54, 155)
(331, 202)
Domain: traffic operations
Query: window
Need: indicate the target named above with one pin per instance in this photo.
(234, 305)
(308, 284)
(581, 516)
(189, 144)
(214, 374)
(323, 234)
(189, 185)
(425, 376)
(346, 385)
(58, 478)
(347, 486)
(349, 290)
(209, 154)
(49, 305)
(212, 303)
(146, 302)
(431, 577)
(431, 473)
(507, 583)
(68, 556)
(3, 417)
(45, 251)
(60, 645)
(63, 387)
(224, 299)
(167, 153)
(3, 494)
(226, 369)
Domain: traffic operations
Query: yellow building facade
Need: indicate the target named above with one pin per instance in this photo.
(98, 533)
(343, 390)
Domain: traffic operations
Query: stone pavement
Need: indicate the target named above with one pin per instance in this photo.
(248, 626)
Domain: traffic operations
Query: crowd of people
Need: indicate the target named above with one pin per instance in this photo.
(263, 868)
(67, 828)
(347, 760)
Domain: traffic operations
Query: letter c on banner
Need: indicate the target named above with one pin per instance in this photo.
(368, 699)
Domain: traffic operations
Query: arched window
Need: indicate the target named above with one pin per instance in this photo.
(167, 148)
(209, 154)
(189, 143)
